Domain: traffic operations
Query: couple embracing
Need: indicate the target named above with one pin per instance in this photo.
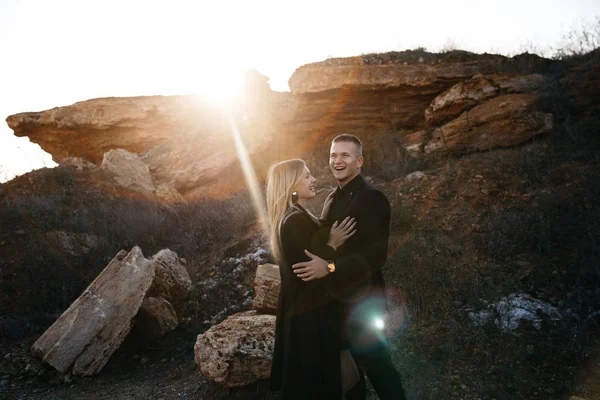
(329, 328)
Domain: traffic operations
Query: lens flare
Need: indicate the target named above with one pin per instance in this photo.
(250, 177)
(379, 324)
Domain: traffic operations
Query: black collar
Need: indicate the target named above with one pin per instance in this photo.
(351, 186)
(298, 206)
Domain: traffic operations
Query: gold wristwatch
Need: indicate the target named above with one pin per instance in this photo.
(330, 266)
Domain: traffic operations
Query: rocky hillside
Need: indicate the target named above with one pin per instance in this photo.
(184, 144)
(490, 164)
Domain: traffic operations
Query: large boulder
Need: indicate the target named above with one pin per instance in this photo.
(238, 351)
(128, 170)
(171, 279)
(155, 318)
(267, 283)
(84, 337)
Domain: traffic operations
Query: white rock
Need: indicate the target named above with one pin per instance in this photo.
(414, 176)
(511, 310)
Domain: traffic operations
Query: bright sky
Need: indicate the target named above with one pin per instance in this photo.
(55, 53)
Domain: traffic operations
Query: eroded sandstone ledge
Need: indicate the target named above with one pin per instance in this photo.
(188, 146)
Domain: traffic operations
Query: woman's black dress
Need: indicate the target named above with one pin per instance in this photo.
(306, 359)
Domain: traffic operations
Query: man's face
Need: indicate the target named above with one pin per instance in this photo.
(344, 161)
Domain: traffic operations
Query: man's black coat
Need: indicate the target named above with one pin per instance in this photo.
(360, 260)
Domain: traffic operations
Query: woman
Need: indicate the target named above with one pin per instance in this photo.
(306, 360)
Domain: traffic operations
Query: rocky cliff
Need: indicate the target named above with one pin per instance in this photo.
(184, 141)
(188, 146)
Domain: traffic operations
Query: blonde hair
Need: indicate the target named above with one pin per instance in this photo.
(281, 181)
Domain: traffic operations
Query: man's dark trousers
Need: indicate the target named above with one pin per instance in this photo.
(370, 350)
(370, 244)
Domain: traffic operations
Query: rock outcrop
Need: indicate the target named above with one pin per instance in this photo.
(185, 141)
(470, 93)
(190, 146)
(266, 288)
(84, 337)
(391, 70)
(482, 113)
(90, 128)
(387, 91)
(238, 351)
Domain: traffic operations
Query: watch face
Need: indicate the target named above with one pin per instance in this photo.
(331, 267)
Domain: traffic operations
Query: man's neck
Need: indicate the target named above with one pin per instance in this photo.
(347, 181)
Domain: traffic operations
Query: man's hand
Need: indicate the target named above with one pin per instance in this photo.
(316, 268)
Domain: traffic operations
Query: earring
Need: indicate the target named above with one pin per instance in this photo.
(294, 197)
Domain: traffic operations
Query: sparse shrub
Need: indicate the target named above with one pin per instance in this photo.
(422, 267)
(12, 327)
(64, 176)
(579, 40)
(383, 156)
(562, 233)
(557, 225)
(535, 233)
(401, 219)
(449, 45)
(45, 280)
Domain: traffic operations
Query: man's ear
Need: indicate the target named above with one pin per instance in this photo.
(361, 161)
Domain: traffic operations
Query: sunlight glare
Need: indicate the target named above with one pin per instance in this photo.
(221, 88)
(250, 177)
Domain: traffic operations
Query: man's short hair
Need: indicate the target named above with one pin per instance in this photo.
(346, 137)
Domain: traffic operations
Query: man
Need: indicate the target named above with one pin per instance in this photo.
(355, 276)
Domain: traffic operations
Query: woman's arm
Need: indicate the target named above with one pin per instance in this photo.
(300, 233)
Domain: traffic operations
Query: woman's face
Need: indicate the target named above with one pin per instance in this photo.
(306, 186)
